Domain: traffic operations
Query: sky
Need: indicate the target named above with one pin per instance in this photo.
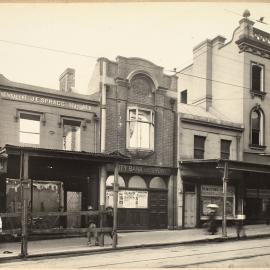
(164, 33)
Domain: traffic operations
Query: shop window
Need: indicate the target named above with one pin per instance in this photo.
(257, 131)
(225, 146)
(137, 182)
(29, 128)
(157, 182)
(110, 181)
(71, 135)
(183, 97)
(199, 142)
(257, 77)
(140, 129)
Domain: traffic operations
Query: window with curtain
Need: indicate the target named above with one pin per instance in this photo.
(256, 127)
(71, 135)
(29, 130)
(140, 129)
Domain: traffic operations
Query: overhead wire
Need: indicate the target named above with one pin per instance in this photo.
(133, 64)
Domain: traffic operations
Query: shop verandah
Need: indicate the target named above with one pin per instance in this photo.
(244, 186)
(57, 186)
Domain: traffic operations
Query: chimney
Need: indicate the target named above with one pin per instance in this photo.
(67, 80)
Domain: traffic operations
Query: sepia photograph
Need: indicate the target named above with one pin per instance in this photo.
(134, 134)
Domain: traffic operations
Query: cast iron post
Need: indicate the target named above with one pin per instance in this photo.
(115, 204)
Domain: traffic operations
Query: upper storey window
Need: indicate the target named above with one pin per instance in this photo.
(199, 144)
(140, 129)
(71, 135)
(183, 97)
(257, 79)
(29, 128)
(257, 132)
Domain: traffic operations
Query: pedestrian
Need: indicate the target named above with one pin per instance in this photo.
(92, 229)
(239, 224)
(212, 223)
(267, 214)
(1, 225)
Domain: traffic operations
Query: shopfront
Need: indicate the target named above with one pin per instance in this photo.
(56, 180)
(247, 190)
(142, 198)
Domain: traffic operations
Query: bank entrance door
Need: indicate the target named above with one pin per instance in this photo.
(190, 210)
(158, 207)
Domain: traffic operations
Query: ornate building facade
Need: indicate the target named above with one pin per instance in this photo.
(228, 82)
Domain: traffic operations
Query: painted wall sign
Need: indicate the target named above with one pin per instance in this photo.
(128, 199)
(45, 101)
(123, 168)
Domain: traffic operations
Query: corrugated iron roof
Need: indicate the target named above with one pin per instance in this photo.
(200, 114)
(115, 156)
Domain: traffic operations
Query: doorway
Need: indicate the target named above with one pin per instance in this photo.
(74, 204)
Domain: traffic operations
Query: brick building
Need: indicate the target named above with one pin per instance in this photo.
(138, 119)
(228, 81)
(51, 139)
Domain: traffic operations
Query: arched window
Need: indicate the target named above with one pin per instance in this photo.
(110, 180)
(257, 128)
(137, 182)
(157, 182)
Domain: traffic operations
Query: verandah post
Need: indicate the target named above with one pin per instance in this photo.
(115, 204)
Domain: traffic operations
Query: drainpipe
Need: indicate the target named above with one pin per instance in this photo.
(103, 108)
(225, 181)
(103, 171)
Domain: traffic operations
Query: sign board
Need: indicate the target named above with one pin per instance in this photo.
(257, 193)
(128, 199)
(136, 169)
(212, 194)
(211, 190)
(55, 102)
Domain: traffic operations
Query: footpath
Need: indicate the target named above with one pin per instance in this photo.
(126, 240)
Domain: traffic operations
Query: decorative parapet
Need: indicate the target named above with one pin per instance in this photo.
(255, 41)
(261, 36)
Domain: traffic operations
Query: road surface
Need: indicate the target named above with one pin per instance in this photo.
(245, 253)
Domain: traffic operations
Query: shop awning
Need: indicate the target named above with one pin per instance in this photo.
(213, 167)
(63, 154)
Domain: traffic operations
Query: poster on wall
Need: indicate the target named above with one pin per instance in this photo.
(211, 194)
(128, 199)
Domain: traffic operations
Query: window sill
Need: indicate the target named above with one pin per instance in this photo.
(259, 94)
(140, 153)
(257, 147)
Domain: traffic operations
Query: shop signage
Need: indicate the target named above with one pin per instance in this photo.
(211, 194)
(45, 101)
(264, 193)
(141, 169)
(211, 190)
(258, 193)
(128, 199)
